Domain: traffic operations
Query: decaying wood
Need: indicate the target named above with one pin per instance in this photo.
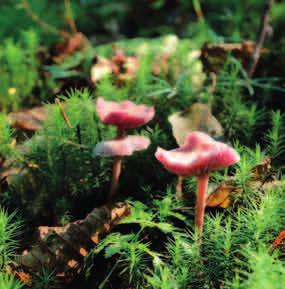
(62, 249)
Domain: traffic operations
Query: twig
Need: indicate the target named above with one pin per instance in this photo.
(263, 31)
(182, 209)
(198, 10)
(212, 88)
(63, 113)
(47, 27)
(69, 16)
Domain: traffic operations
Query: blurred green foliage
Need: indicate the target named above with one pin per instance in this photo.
(18, 70)
(105, 20)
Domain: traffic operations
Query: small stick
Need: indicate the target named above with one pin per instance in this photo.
(63, 113)
(45, 26)
(212, 88)
(198, 10)
(179, 194)
(263, 31)
(69, 16)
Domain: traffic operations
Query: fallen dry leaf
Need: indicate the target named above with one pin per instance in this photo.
(223, 195)
(76, 42)
(197, 117)
(214, 55)
(29, 119)
(262, 170)
(101, 69)
(123, 67)
(62, 249)
(24, 277)
(130, 69)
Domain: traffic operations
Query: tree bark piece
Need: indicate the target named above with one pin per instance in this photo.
(62, 249)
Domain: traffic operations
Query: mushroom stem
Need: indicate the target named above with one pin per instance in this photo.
(179, 194)
(202, 186)
(117, 167)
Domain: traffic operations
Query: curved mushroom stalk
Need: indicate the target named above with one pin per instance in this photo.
(117, 167)
(123, 115)
(118, 148)
(201, 197)
(199, 155)
(116, 172)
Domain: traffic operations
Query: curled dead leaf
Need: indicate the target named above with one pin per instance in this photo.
(24, 277)
(197, 118)
(223, 196)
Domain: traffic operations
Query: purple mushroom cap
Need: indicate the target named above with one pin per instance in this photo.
(197, 156)
(125, 114)
(122, 147)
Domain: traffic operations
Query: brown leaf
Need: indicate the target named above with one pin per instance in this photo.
(29, 119)
(262, 170)
(280, 240)
(223, 195)
(130, 68)
(197, 117)
(123, 67)
(102, 68)
(75, 43)
(119, 56)
(214, 55)
(62, 249)
(24, 277)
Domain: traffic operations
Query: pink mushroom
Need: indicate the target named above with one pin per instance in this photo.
(198, 156)
(123, 115)
(122, 147)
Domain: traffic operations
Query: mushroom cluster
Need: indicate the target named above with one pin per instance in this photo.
(124, 115)
(198, 156)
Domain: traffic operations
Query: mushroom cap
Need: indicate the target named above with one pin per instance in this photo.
(122, 147)
(125, 114)
(198, 155)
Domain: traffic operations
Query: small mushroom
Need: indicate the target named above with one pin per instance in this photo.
(124, 115)
(118, 148)
(122, 147)
(198, 117)
(198, 156)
